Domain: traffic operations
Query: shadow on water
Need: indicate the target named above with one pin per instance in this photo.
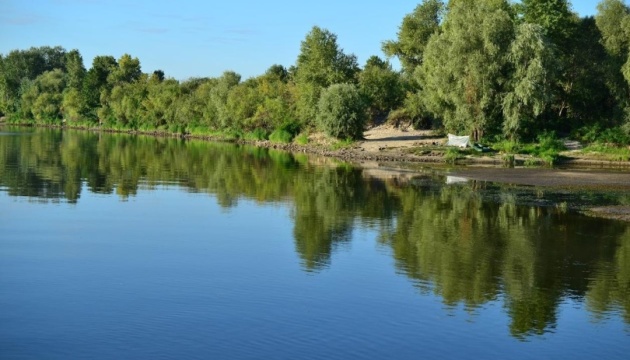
(471, 243)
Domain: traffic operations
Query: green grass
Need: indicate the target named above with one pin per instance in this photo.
(281, 136)
(257, 135)
(608, 152)
(451, 155)
(341, 144)
(302, 139)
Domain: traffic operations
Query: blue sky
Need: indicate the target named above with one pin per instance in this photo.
(190, 38)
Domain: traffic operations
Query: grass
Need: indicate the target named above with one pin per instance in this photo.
(257, 135)
(608, 152)
(451, 155)
(342, 144)
(546, 150)
(302, 139)
(281, 136)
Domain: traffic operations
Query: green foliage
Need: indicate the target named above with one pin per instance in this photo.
(596, 135)
(465, 65)
(414, 34)
(321, 63)
(286, 132)
(281, 136)
(381, 86)
(451, 155)
(302, 139)
(42, 99)
(608, 151)
(529, 91)
(257, 135)
(547, 148)
(342, 112)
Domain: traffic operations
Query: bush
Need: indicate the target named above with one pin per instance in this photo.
(257, 135)
(342, 112)
(281, 136)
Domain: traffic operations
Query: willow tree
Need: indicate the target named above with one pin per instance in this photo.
(613, 21)
(464, 67)
(529, 89)
(414, 33)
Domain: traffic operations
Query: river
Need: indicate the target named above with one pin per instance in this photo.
(119, 246)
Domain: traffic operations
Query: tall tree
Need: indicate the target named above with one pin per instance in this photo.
(320, 64)
(529, 88)
(96, 82)
(42, 100)
(20, 66)
(127, 71)
(559, 24)
(75, 69)
(414, 33)
(464, 67)
(613, 21)
(381, 86)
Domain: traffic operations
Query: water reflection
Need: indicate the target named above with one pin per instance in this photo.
(469, 243)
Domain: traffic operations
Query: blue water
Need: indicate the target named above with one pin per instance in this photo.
(171, 272)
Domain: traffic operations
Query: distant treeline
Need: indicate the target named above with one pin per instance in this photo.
(489, 68)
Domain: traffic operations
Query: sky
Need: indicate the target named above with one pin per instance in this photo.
(204, 38)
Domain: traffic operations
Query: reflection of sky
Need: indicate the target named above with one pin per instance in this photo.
(171, 272)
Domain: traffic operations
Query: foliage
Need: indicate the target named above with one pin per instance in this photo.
(320, 64)
(529, 89)
(485, 68)
(414, 33)
(465, 65)
(381, 87)
(342, 112)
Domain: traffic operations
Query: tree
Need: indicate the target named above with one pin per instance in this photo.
(21, 66)
(381, 86)
(613, 21)
(128, 70)
(554, 16)
(414, 34)
(529, 89)
(43, 98)
(320, 64)
(75, 69)
(464, 66)
(95, 83)
(341, 112)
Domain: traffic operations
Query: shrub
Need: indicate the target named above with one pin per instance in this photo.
(257, 135)
(281, 136)
(342, 112)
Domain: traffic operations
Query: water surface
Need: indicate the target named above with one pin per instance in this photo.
(114, 246)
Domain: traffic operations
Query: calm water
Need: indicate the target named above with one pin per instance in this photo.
(115, 246)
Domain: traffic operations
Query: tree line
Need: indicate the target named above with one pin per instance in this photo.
(493, 69)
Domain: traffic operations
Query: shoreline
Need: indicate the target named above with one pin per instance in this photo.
(389, 152)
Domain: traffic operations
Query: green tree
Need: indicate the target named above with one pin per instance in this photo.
(414, 34)
(128, 70)
(381, 86)
(554, 16)
(42, 100)
(20, 66)
(320, 64)
(75, 69)
(529, 88)
(95, 83)
(464, 68)
(342, 112)
(613, 21)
